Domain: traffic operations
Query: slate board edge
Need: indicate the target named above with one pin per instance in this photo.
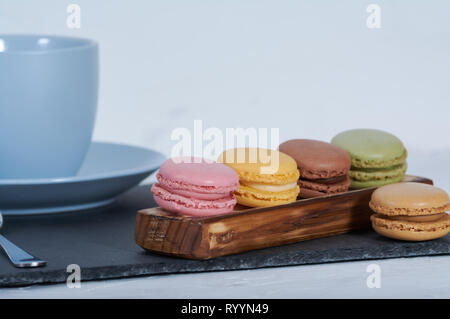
(129, 271)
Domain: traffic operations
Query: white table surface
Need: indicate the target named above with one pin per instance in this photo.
(424, 277)
(420, 277)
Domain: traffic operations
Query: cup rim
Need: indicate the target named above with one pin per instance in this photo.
(84, 43)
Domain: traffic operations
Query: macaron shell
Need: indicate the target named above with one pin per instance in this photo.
(241, 161)
(412, 199)
(375, 183)
(192, 172)
(410, 231)
(317, 159)
(191, 206)
(252, 197)
(370, 148)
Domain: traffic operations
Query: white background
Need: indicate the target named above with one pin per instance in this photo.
(310, 68)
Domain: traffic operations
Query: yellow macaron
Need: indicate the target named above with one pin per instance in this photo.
(266, 177)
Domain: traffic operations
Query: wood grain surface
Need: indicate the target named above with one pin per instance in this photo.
(247, 229)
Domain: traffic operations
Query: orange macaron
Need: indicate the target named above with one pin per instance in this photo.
(410, 211)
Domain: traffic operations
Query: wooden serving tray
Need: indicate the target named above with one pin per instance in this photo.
(253, 228)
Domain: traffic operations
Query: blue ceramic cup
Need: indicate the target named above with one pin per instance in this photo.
(48, 103)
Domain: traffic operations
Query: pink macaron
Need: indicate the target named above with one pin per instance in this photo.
(195, 187)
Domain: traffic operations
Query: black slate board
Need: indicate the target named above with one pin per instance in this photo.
(101, 242)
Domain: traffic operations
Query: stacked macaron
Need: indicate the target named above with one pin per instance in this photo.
(410, 211)
(266, 177)
(193, 186)
(378, 158)
(323, 167)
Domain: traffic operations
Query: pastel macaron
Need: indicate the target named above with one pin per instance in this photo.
(266, 177)
(323, 167)
(378, 157)
(196, 187)
(410, 211)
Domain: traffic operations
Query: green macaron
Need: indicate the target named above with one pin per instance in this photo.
(378, 157)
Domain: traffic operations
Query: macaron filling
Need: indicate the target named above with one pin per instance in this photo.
(331, 180)
(425, 218)
(271, 187)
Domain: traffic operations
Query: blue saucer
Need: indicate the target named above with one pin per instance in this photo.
(108, 170)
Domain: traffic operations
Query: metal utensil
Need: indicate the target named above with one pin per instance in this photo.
(19, 257)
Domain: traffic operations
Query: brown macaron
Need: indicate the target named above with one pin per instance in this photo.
(323, 167)
(410, 211)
